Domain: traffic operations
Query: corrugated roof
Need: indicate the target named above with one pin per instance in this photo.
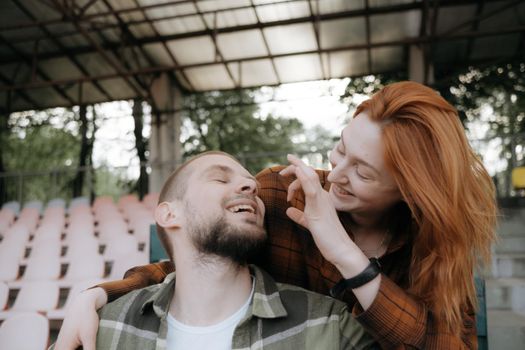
(62, 53)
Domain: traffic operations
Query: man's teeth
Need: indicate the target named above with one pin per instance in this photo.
(342, 191)
(242, 207)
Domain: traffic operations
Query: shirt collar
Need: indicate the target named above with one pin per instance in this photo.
(266, 302)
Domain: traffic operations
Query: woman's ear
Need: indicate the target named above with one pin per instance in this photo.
(167, 216)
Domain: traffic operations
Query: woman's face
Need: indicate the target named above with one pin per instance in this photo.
(360, 181)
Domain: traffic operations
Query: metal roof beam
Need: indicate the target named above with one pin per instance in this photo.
(323, 17)
(62, 48)
(154, 70)
(213, 36)
(100, 50)
(265, 41)
(136, 9)
(317, 39)
(165, 46)
(22, 93)
(21, 56)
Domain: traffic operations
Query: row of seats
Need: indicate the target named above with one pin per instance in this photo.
(50, 254)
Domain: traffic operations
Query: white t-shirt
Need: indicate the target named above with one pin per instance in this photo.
(217, 337)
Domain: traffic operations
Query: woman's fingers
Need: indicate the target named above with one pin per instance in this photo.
(288, 171)
(292, 188)
(297, 216)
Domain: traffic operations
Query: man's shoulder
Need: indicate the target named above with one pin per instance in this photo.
(130, 302)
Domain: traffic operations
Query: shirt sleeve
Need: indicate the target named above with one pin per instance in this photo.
(137, 277)
(398, 321)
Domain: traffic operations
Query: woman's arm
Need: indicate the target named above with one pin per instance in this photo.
(76, 331)
(138, 277)
(395, 318)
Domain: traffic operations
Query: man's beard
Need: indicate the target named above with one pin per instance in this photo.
(222, 239)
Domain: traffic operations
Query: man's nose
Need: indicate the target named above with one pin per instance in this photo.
(248, 186)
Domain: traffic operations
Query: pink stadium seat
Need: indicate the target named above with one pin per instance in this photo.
(45, 234)
(150, 200)
(7, 217)
(42, 268)
(84, 268)
(120, 245)
(8, 266)
(4, 295)
(126, 200)
(113, 227)
(39, 296)
(29, 217)
(27, 331)
(124, 262)
(102, 201)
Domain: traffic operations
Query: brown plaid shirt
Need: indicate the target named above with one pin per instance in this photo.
(396, 319)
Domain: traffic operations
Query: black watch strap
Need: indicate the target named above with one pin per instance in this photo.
(369, 273)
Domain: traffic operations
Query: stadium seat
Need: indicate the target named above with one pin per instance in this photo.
(42, 267)
(78, 202)
(13, 205)
(8, 267)
(150, 200)
(120, 245)
(37, 296)
(7, 217)
(84, 268)
(28, 331)
(126, 200)
(56, 203)
(4, 295)
(124, 262)
(35, 204)
(47, 232)
(29, 216)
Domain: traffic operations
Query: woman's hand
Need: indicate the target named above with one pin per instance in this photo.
(319, 216)
(80, 325)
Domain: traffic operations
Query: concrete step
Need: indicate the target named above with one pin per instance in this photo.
(511, 243)
(505, 294)
(506, 330)
(505, 265)
(511, 227)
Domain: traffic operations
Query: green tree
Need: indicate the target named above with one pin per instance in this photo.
(230, 121)
(33, 152)
(493, 95)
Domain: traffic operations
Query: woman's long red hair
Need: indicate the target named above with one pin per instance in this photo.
(450, 195)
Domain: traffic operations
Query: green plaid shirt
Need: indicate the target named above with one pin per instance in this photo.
(280, 317)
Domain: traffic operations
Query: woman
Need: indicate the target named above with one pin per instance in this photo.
(407, 189)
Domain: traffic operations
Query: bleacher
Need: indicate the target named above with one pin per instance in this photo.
(50, 253)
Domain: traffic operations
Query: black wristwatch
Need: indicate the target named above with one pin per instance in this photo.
(369, 273)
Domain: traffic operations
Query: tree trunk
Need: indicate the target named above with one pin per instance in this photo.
(85, 153)
(140, 145)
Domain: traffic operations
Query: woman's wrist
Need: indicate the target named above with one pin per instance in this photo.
(351, 261)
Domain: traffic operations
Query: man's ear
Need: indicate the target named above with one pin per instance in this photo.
(167, 215)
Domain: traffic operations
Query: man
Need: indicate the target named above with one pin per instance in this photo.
(210, 220)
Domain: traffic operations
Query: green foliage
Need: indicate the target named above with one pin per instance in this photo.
(500, 86)
(35, 151)
(495, 96)
(368, 85)
(229, 121)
